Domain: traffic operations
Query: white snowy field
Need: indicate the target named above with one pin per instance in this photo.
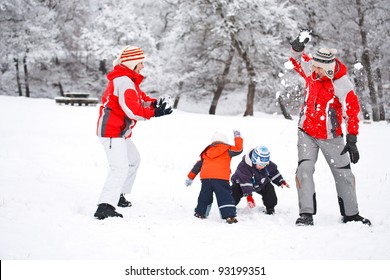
(52, 168)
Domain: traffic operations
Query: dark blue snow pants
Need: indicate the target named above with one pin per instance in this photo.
(223, 193)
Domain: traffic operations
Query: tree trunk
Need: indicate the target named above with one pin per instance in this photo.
(378, 76)
(251, 74)
(177, 97)
(367, 63)
(26, 81)
(250, 98)
(359, 89)
(102, 66)
(16, 60)
(382, 114)
(176, 103)
(61, 89)
(283, 108)
(221, 80)
(230, 23)
(363, 107)
(371, 86)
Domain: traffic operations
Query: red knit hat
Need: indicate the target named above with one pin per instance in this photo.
(130, 56)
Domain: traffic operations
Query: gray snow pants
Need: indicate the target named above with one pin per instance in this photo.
(340, 166)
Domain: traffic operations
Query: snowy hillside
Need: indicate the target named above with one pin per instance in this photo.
(52, 168)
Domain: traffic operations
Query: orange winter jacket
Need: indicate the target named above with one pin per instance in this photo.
(215, 160)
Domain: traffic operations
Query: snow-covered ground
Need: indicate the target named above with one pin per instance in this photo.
(52, 168)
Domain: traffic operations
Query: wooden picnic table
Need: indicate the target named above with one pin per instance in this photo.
(80, 98)
(74, 94)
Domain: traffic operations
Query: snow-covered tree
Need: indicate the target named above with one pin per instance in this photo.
(201, 50)
(205, 33)
(28, 31)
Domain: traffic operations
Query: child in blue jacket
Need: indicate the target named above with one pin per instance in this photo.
(256, 173)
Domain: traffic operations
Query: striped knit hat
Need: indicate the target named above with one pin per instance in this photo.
(130, 56)
(325, 59)
(260, 156)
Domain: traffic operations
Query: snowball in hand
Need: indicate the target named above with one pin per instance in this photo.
(303, 35)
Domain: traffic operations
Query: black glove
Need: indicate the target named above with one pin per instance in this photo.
(157, 103)
(299, 46)
(160, 110)
(351, 148)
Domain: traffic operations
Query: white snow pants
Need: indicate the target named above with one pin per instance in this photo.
(123, 160)
(308, 148)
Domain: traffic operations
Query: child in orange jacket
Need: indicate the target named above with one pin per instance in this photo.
(214, 168)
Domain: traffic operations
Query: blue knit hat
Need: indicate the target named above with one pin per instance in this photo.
(260, 155)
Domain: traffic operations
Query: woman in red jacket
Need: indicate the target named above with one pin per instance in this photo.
(329, 98)
(123, 104)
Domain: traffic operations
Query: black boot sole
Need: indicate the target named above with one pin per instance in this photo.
(102, 216)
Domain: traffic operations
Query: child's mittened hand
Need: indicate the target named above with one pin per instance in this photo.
(285, 184)
(250, 201)
(188, 182)
(236, 133)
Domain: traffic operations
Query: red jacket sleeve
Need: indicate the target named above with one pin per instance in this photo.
(147, 100)
(352, 111)
(297, 65)
(133, 104)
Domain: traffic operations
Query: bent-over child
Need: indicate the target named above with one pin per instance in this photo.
(256, 173)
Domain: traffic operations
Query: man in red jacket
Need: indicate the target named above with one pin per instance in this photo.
(329, 97)
(123, 104)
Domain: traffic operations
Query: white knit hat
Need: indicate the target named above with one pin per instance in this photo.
(325, 58)
(219, 137)
(130, 56)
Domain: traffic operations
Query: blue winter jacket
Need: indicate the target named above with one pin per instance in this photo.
(251, 179)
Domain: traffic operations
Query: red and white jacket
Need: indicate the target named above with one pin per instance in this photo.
(123, 104)
(327, 102)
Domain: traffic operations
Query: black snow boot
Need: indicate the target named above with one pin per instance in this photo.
(305, 220)
(356, 218)
(200, 216)
(231, 220)
(123, 202)
(269, 211)
(106, 210)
